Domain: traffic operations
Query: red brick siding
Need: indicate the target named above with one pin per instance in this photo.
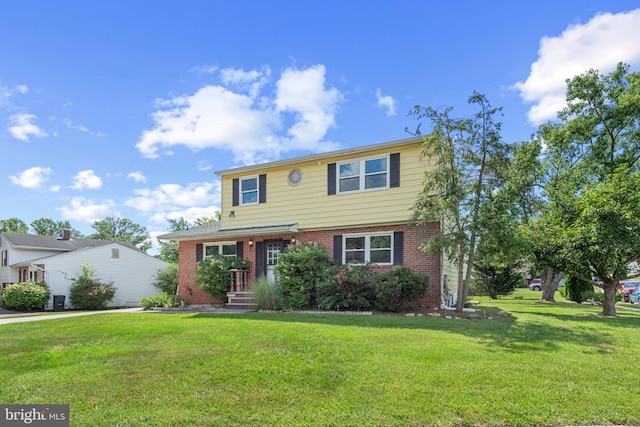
(424, 263)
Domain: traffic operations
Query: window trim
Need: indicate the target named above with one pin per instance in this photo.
(220, 250)
(367, 248)
(241, 193)
(362, 174)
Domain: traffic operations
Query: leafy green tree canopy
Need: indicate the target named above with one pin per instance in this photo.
(13, 225)
(121, 230)
(49, 227)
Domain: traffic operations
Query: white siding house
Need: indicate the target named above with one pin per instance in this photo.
(57, 261)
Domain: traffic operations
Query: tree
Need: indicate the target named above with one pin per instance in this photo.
(495, 279)
(169, 251)
(49, 227)
(595, 233)
(13, 225)
(592, 221)
(469, 161)
(121, 230)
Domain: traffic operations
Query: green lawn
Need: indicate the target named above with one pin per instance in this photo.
(545, 364)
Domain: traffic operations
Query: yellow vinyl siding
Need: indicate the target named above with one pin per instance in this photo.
(308, 203)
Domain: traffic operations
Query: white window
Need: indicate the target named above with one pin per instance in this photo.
(249, 190)
(228, 249)
(364, 174)
(376, 248)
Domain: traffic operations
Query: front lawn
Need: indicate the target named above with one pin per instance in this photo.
(545, 364)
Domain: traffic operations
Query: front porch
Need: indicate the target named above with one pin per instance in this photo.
(239, 295)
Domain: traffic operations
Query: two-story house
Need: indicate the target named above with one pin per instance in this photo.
(356, 202)
(56, 260)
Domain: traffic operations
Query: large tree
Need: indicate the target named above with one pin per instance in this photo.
(169, 251)
(591, 227)
(469, 159)
(49, 227)
(13, 225)
(121, 230)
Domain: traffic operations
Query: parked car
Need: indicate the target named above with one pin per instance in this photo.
(634, 297)
(627, 287)
(535, 285)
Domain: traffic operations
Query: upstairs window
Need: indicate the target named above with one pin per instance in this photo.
(249, 190)
(363, 174)
(366, 174)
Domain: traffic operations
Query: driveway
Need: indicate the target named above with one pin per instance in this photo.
(7, 316)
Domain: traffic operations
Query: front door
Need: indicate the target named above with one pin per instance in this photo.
(272, 253)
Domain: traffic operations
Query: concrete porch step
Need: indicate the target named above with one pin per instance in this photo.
(240, 300)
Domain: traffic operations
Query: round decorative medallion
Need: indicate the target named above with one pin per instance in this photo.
(295, 177)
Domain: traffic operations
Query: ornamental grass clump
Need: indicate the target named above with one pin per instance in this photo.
(266, 293)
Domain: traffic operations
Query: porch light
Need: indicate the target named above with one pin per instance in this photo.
(250, 242)
(293, 240)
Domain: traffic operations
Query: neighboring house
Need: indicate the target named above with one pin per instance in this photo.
(56, 261)
(356, 202)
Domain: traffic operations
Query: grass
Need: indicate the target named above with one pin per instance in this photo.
(545, 364)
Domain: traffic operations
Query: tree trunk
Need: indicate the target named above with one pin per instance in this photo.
(609, 301)
(549, 281)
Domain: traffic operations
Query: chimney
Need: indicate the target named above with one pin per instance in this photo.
(66, 234)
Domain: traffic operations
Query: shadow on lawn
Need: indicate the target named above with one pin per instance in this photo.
(509, 333)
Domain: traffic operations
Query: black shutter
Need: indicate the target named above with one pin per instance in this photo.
(331, 178)
(398, 247)
(262, 188)
(236, 192)
(240, 250)
(199, 252)
(337, 249)
(260, 260)
(394, 170)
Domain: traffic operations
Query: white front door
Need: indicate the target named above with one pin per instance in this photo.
(272, 250)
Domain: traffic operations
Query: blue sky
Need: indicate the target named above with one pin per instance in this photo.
(126, 109)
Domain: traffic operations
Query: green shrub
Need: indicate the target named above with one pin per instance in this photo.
(398, 287)
(213, 276)
(301, 270)
(167, 279)
(25, 295)
(266, 293)
(354, 288)
(494, 279)
(86, 291)
(163, 300)
(577, 290)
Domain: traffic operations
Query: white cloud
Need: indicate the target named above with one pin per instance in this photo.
(203, 166)
(21, 127)
(86, 179)
(22, 89)
(242, 121)
(598, 44)
(190, 214)
(137, 176)
(386, 102)
(82, 209)
(171, 197)
(32, 178)
(68, 123)
(304, 94)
